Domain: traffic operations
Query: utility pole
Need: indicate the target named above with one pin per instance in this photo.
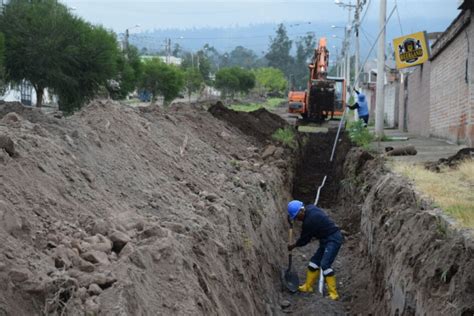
(379, 111)
(357, 47)
(348, 56)
(168, 51)
(127, 36)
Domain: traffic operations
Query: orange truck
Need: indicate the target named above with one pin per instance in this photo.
(325, 96)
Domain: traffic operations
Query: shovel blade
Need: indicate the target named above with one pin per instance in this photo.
(290, 280)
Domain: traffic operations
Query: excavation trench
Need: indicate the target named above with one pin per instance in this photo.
(400, 255)
(197, 207)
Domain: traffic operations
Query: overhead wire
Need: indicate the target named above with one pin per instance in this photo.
(341, 123)
(399, 21)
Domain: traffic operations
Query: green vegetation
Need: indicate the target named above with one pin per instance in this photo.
(450, 189)
(193, 81)
(199, 61)
(285, 136)
(359, 134)
(249, 107)
(162, 79)
(51, 48)
(270, 81)
(278, 55)
(234, 80)
(130, 69)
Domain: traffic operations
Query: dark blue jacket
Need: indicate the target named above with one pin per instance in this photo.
(315, 224)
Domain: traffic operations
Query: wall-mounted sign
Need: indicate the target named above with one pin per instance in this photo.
(411, 50)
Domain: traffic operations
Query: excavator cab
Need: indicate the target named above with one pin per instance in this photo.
(339, 96)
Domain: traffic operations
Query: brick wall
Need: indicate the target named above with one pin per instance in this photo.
(418, 101)
(450, 96)
(439, 96)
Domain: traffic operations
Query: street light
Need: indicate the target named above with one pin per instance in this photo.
(127, 34)
(345, 5)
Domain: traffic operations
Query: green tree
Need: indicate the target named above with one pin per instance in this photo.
(270, 80)
(51, 48)
(177, 50)
(234, 79)
(193, 81)
(199, 61)
(227, 82)
(161, 79)
(129, 68)
(278, 55)
(96, 54)
(242, 57)
(246, 79)
(304, 52)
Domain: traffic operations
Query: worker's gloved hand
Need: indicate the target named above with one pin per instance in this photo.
(291, 247)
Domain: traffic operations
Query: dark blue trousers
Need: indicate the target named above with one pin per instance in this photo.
(326, 253)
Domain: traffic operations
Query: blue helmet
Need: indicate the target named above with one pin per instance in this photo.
(294, 208)
(361, 97)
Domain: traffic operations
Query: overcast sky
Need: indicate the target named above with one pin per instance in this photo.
(158, 14)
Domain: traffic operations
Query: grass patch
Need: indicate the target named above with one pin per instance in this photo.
(249, 107)
(451, 189)
(359, 134)
(285, 136)
(312, 129)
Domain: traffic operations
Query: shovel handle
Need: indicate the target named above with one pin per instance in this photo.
(290, 234)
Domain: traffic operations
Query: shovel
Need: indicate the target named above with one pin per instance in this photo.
(290, 278)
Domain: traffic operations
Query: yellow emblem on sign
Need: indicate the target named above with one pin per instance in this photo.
(411, 50)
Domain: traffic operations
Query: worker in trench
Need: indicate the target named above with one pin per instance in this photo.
(362, 107)
(317, 224)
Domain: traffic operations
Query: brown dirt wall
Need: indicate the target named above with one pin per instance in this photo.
(408, 258)
(121, 211)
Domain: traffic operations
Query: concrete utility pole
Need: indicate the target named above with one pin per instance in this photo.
(348, 52)
(348, 60)
(168, 51)
(127, 36)
(357, 47)
(379, 111)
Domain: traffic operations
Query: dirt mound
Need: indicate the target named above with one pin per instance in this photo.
(451, 162)
(33, 115)
(116, 210)
(260, 124)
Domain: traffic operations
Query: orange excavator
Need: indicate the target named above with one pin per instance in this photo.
(325, 96)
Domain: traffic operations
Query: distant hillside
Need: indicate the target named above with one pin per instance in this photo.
(256, 37)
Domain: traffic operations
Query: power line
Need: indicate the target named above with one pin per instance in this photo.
(378, 36)
(138, 36)
(366, 10)
(399, 22)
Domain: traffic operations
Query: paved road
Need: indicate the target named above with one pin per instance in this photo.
(429, 149)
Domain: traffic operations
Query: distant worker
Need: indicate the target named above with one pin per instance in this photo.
(316, 224)
(362, 107)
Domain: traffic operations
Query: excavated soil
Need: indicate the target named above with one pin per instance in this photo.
(121, 211)
(451, 162)
(260, 123)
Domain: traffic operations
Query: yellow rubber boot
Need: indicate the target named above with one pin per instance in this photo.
(331, 282)
(311, 277)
